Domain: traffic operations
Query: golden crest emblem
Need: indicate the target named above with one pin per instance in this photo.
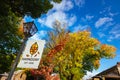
(34, 48)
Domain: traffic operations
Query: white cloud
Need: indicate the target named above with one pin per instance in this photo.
(109, 39)
(102, 21)
(71, 20)
(60, 16)
(89, 17)
(79, 3)
(80, 27)
(115, 30)
(58, 13)
(101, 35)
(89, 75)
(106, 10)
(39, 35)
(114, 33)
(65, 5)
(112, 14)
(109, 24)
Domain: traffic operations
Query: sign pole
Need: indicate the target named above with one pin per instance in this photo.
(29, 29)
(17, 60)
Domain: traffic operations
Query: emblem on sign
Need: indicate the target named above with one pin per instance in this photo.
(33, 50)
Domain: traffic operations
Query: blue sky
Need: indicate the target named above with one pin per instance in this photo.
(102, 17)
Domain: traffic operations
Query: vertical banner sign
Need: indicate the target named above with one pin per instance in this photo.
(32, 54)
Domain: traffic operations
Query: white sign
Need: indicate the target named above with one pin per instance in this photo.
(32, 54)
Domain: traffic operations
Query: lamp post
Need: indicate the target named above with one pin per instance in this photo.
(29, 30)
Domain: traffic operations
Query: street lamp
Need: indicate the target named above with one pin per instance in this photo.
(29, 29)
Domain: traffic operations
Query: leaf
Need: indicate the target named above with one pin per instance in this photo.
(34, 48)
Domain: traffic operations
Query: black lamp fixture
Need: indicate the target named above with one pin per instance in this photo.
(29, 29)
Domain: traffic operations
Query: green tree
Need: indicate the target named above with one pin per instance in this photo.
(21, 7)
(11, 13)
(73, 54)
(9, 41)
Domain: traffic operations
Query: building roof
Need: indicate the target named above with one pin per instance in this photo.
(113, 72)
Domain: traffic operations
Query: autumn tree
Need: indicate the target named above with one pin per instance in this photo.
(54, 45)
(73, 54)
(81, 53)
(11, 14)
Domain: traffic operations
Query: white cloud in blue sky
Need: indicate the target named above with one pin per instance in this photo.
(89, 75)
(79, 3)
(89, 17)
(102, 21)
(101, 35)
(65, 5)
(114, 33)
(58, 13)
(40, 34)
(80, 27)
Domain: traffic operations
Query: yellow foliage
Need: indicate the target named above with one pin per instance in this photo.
(96, 64)
(80, 53)
(108, 50)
